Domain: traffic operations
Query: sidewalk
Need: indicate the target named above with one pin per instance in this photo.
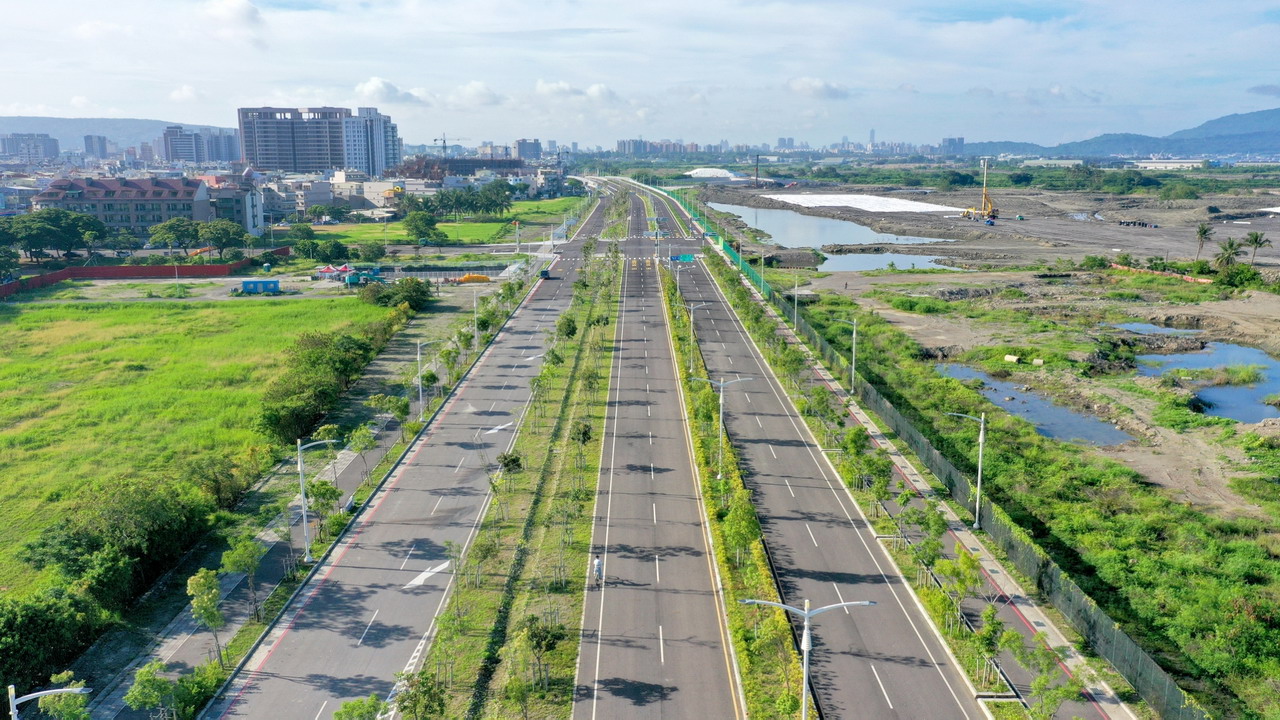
(182, 644)
(1016, 608)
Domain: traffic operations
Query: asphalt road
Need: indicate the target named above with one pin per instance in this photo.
(883, 661)
(369, 610)
(654, 642)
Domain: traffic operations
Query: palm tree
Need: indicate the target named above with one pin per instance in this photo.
(1228, 252)
(1255, 240)
(1203, 234)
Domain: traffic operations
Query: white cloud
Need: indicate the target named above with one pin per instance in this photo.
(183, 93)
(380, 90)
(601, 93)
(816, 88)
(474, 95)
(81, 102)
(94, 29)
(555, 89)
(235, 20)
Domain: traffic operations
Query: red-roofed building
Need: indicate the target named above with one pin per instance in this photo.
(130, 205)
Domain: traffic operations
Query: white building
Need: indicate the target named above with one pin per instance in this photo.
(371, 142)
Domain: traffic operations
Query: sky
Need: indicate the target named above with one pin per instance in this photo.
(595, 71)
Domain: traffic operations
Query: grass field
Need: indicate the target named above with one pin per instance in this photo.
(94, 390)
(537, 218)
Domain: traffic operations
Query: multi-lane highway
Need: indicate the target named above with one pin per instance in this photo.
(654, 642)
(369, 610)
(884, 661)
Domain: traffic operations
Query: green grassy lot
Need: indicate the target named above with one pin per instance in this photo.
(536, 217)
(93, 390)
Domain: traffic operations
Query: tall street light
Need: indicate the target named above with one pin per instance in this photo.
(853, 353)
(721, 384)
(421, 406)
(15, 701)
(690, 308)
(806, 640)
(302, 487)
(982, 442)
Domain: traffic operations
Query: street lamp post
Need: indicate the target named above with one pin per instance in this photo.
(421, 406)
(722, 384)
(690, 308)
(302, 487)
(982, 442)
(15, 701)
(853, 353)
(806, 640)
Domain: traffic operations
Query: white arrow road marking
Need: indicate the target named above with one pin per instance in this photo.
(500, 428)
(535, 357)
(426, 574)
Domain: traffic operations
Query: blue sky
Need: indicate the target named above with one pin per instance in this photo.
(594, 72)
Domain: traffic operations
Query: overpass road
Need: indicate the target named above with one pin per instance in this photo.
(654, 643)
(369, 611)
(884, 661)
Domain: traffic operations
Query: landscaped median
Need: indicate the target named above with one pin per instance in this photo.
(762, 639)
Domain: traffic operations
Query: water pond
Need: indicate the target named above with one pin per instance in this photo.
(1051, 420)
(1238, 402)
(1142, 328)
(794, 230)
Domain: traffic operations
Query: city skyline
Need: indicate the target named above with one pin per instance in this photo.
(1044, 72)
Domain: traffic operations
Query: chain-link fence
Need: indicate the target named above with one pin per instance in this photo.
(1103, 634)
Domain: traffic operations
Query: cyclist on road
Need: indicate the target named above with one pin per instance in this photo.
(597, 570)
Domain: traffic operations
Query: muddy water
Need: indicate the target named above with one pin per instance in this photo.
(1050, 419)
(1238, 402)
(794, 230)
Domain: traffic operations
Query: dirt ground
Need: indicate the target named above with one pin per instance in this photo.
(1192, 466)
(1056, 225)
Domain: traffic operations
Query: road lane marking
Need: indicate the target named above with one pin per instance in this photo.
(757, 417)
(494, 405)
(650, 437)
(886, 692)
(771, 452)
(366, 628)
(748, 396)
(655, 519)
(662, 651)
(657, 570)
(464, 457)
(410, 553)
(730, 359)
(788, 482)
(649, 409)
(437, 505)
(422, 577)
(500, 428)
(326, 702)
(811, 537)
(837, 587)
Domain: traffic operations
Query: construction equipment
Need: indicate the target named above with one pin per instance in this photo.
(988, 210)
(444, 143)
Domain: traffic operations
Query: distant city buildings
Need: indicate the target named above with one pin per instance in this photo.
(95, 146)
(309, 140)
(952, 146)
(528, 149)
(29, 148)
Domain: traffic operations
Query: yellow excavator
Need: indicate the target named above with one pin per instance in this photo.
(988, 211)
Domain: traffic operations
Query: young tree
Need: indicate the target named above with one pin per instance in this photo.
(301, 231)
(175, 233)
(369, 708)
(420, 227)
(422, 695)
(542, 637)
(1255, 240)
(244, 556)
(65, 706)
(397, 407)
(204, 590)
(150, 691)
(221, 234)
(566, 327)
(361, 441)
(1204, 232)
(323, 497)
(372, 252)
(1229, 252)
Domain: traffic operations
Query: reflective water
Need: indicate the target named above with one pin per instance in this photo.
(1149, 329)
(1238, 402)
(792, 229)
(1050, 419)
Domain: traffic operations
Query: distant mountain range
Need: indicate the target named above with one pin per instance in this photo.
(1255, 133)
(70, 132)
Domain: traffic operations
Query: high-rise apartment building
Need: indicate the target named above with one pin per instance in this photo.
(95, 146)
(301, 140)
(371, 143)
(29, 147)
(528, 149)
(952, 146)
(182, 146)
(221, 144)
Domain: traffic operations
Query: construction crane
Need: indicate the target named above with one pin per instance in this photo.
(988, 212)
(444, 143)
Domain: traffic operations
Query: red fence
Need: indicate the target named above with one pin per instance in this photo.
(121, 272)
